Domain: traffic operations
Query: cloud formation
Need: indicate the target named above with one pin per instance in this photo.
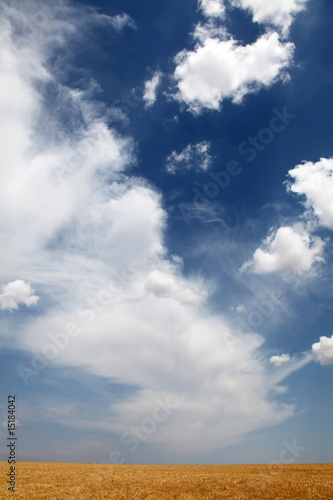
(118, 22)
(287, 249)
(212, 8)
(15, 293)
(151, 87)
(219, 69)
(279, 13)
(280, 360)
(295, 248)
(82, 219)
(323, 350)
(315, 182)
(194, 156)
(164, 284)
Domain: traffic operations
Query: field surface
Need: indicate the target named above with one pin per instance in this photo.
(54, 481)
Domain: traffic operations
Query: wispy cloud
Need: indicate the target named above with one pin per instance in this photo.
(194, 156)
(118, 22)
(151, 87)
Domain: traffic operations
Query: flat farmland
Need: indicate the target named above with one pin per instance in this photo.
(119, 482)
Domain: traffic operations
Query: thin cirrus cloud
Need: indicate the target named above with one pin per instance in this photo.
(71, 252)
(194, 156)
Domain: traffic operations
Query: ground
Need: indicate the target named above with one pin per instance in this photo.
(169, 482)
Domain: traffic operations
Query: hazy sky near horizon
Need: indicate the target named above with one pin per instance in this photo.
(166, 211)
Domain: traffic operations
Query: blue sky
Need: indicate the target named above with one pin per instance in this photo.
(166, 225)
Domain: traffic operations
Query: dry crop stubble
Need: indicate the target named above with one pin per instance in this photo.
(170, 482)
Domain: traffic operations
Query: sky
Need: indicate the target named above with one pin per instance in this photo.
(166, 208)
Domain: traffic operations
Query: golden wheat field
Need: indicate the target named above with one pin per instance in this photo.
(165, 482)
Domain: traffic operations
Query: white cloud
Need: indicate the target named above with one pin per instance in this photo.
(280, 360)
(223, 69)
(164, 284)
(4, 423)
(315, 181)
(295, 247)
(289, 248)
(212, 8)
(118, 22)
(194, 156)
(240, 308)
(289, 366)
(15, 293)
(280, 389)
(323, 350)
(209, 29)
(176, 351)
(279, 13)
(79, 221)
(151, 87)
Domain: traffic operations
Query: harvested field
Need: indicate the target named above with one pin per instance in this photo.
(169, 482)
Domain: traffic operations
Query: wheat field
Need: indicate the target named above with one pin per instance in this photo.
(169, 482)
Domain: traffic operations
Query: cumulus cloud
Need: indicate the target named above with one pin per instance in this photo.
(15, 293)
(315, 182)
(295, 247)
(194, 156)
(279, 13)
(212, 8)
(287, 249)
(81, 222)
(323, 350)
(164, 284)
(223, 69)
(280, 360)
(151, 87)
